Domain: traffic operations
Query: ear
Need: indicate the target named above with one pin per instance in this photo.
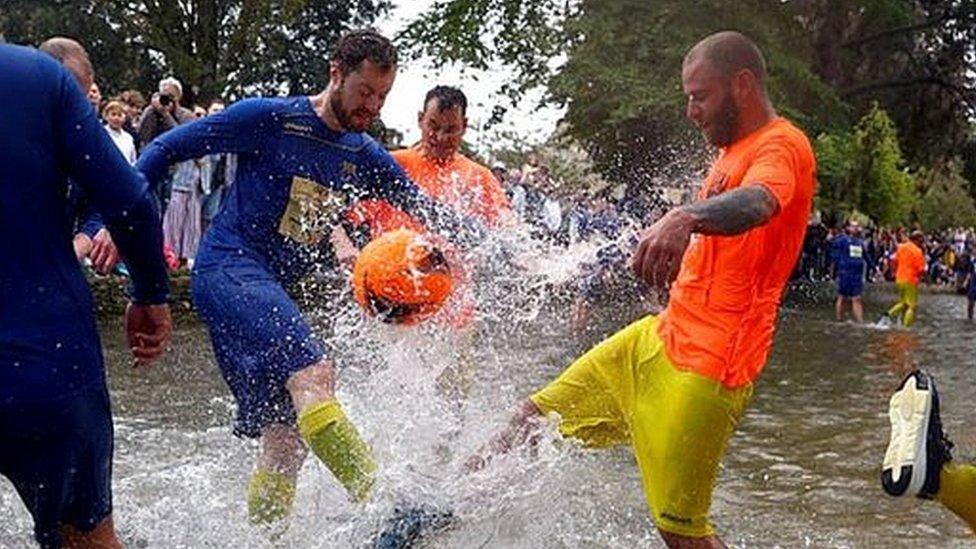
(464, 125)
(420, 118)
(743, 84)
(335, 73)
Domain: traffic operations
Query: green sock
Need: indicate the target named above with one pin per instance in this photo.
(336, 442)
(269, 496)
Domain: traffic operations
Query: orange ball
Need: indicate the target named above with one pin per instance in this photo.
(401, 277)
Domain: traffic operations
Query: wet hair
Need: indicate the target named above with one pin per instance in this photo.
(356, 46)
(447, 98)
(730, 52)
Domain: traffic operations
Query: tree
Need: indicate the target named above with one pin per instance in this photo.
(616, 66)
(946, 203)
(216, 47)
(888, 192)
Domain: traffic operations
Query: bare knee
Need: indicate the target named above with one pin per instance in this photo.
(313, 384)
(101, 537)
(677, 541)
(282, 449)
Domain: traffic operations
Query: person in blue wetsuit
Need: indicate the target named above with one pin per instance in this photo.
(55, 422)
(300, 162)
(847, 251)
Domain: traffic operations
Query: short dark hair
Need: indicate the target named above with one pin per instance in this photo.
(356, 46)
(447, 98)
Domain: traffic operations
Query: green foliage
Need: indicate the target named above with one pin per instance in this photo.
(946, 202)
(888, 192)
(837, 194)
(216, 47)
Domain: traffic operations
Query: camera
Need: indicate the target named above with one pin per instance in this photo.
(165, 99)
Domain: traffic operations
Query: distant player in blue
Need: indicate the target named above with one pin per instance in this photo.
(847, 254)
(301, 162)
(55, 420)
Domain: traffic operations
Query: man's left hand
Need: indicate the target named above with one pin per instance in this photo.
(662, 245)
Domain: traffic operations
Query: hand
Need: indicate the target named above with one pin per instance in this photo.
(661, 247)
(345, 251)
(104, 254)
(147, 330)
(82, 245)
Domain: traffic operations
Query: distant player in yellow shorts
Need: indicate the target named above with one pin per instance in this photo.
(676, 385)
(910, 265)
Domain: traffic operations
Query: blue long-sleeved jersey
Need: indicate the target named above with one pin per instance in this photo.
(294, 177)
(48, 342)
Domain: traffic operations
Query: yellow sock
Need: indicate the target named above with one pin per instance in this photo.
(269, 496)
(957, 491)
(336, 442)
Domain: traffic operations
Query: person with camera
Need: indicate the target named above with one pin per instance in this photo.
(163, 114)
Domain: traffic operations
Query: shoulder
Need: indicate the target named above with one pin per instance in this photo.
(784, 135)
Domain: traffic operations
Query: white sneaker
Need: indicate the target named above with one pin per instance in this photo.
(918, 447)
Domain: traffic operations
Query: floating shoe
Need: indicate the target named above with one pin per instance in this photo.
(918, 447)
(409, 526)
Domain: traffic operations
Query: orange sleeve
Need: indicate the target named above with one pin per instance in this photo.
(776, 166)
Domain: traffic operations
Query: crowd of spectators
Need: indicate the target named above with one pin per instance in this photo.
(191, 196)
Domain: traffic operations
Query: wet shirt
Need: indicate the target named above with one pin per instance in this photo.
(911, 263)
(848, 255)
(722, 311)
(295, 178)
(461, 183)
(49, 345)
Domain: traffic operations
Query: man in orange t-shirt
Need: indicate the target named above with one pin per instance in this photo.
(675, 386)
(909, 266)
(440, 170)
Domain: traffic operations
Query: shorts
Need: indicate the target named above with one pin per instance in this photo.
(260, 339)
(850, 285)
(58, 455)
(627, 390)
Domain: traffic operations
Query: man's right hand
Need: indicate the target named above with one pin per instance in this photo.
(147, 330)
(82, 246)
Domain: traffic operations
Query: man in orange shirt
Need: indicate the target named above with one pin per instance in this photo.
(675, 385)
(910, 264)
(440, 170)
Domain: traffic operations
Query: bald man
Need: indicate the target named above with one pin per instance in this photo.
(675, 385)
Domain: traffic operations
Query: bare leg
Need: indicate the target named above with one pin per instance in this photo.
(282, 450)
(312, 385)
(839, 308)
(102, 537)
(675, 541)
(523, 427)
(857, 307)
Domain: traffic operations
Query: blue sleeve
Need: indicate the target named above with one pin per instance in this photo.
(394, 185)
(242, 127)
(115, 190)
(91, 221)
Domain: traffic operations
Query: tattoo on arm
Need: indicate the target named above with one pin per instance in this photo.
(734, 212)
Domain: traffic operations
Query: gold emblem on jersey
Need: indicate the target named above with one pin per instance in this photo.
(311, 212)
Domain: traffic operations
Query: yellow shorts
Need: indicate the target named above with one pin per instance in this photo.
(626, 389)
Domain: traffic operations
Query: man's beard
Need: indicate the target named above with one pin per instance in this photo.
(723, 129)
(344, 117)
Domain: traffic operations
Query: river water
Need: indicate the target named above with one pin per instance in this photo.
(801, 471)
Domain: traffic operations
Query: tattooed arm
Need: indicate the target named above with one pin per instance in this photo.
(658, 255)
(733, 212)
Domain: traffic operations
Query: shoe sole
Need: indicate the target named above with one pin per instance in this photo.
(909, 411)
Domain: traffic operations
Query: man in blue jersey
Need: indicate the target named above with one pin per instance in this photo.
(847, 254)
(55, 422)
(301, 162)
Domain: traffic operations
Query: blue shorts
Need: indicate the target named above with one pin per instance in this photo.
(260, 339)
(850, 285)
(58, 455)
